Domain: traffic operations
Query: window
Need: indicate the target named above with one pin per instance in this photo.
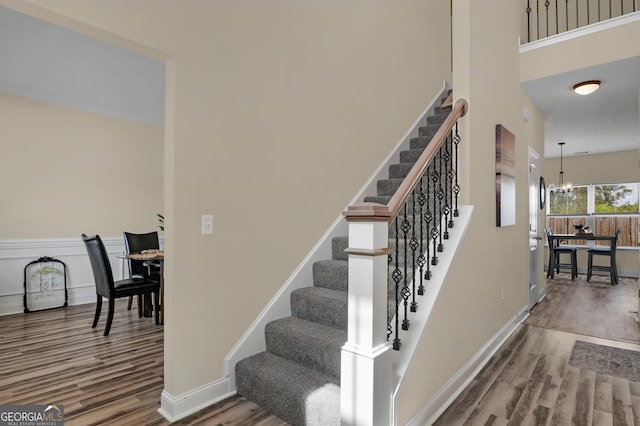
(616, 207)
(603, 208)
(576, 202)
(620, 198)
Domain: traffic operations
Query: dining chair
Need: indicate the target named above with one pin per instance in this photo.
(135, 243)
(559, 249)
(107, 288)
(608, 251)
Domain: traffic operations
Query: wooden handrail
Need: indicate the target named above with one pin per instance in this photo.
(381, 212)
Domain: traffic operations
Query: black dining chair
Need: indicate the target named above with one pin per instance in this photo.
(559, 249)
(607, 251)
(107, 288)
(136, 243)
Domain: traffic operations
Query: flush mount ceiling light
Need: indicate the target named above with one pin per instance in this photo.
(586, 87)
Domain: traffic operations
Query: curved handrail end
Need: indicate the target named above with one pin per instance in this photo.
(464, 106)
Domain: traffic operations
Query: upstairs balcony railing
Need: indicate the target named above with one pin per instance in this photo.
(546, 18)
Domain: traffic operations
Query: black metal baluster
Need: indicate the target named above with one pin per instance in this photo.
(445, 207)
(389, 314)
(440, 194)
(434, 225)
(414, 246)
(528, 10)
(557, 29)
(449, 182)
(588, 18)
(566, 15)
(397, 276)
(577, 16)
(610, 15)
(421, 259)
(406, 226)
(428, 216)
(456, 186)
(537, 19)
(546, 5)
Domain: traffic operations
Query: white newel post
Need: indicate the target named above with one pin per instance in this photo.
(366, 372)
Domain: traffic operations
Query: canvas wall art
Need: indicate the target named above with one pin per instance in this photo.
(505, 177)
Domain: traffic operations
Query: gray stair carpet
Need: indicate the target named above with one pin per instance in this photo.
(297, 378)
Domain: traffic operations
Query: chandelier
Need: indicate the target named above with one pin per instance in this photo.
(562, 188)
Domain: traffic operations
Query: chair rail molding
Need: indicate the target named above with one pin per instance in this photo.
(16, 254)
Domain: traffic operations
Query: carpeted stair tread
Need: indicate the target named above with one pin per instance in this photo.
(410, 155)
(390, 186)
(420, 142)
(380, 199)
(322, 305)
(442, 110)
(332, 274)
(298, 395)
(400, 170)
(311, 344)
(338, 247)
(436, 119)
(428, 130)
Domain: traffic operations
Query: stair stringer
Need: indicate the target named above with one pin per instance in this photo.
(410, 338)
(252, 341)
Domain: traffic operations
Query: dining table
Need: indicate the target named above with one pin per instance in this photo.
(555, 239)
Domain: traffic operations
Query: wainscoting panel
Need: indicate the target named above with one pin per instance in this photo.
(16, 254)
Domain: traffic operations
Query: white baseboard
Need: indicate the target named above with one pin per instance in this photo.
(174, 408)
(454, 387)
(14, 304)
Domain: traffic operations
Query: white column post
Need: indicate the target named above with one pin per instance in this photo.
(366, 372)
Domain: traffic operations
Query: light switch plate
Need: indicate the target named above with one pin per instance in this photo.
(207, 224)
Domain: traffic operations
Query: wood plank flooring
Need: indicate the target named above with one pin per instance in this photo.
(55, 357)
(593, 308)
(529, 381)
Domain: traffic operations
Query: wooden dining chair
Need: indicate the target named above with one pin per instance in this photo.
(607, 251)
(107, 288)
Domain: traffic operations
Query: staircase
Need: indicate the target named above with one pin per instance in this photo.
(297, 378)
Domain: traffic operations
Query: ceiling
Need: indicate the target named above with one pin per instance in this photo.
(42, 61)
(605, 121)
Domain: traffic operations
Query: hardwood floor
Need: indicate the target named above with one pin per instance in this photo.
(529, 381)
(593, 308)
(54, 357)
